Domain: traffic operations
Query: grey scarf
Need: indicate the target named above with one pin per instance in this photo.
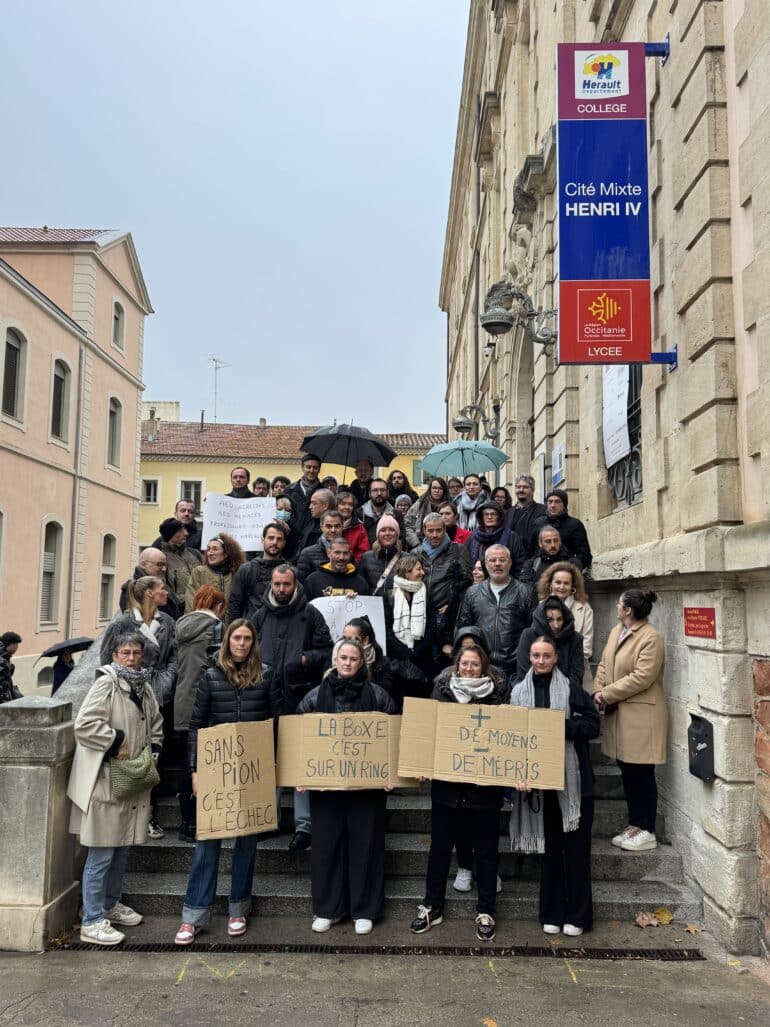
(135, 679)
(526, 825)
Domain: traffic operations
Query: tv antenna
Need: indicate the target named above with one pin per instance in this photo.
(218, 365)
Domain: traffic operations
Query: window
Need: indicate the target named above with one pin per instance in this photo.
(114, 426)
(191, 491)
(13, 375)
(49, 583)
(107, 581)
(419, 477)
(118, 325)
(150, 491)
(625, 476)
(60, 401)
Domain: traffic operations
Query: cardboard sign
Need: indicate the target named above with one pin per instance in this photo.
(700, 621)
(244, 519)
(483, 745)
(339, 751)
(337, 611)
(236, 780)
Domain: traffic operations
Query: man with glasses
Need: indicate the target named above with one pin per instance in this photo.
(152, 561)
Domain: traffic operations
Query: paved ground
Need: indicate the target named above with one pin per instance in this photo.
(196, 987)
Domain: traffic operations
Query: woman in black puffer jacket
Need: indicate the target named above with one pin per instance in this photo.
(235, 689)
(554, 619)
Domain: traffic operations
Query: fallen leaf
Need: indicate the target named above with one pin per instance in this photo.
(664, 916)
(555, 942)
(692, 929)
(646, 920)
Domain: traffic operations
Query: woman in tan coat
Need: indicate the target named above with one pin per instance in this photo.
(118, 719)
(629, 688)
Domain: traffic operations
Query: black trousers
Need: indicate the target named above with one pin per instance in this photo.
(464, 838)
(565, 870)
(347, 865)
(641, 790)
(484, 837)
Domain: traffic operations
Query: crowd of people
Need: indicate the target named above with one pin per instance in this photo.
(485, 601)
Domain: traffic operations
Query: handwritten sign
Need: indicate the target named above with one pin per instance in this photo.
(700, 621)
(236, 780)
(339, 751)
(484, 745)
(244, 519)
(337, 611)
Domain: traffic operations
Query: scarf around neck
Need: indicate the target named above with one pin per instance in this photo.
(526, 829)
(409, 620)
(467, 507)
(356, 693)
(432, 552)
(466, 690)
(135, 679)
(500, 536)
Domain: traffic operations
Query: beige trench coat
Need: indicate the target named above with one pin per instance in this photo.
(584, 624)
(98, 818)
(632, 676)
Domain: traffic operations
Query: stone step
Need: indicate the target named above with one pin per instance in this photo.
(406, 856)
(162, 894)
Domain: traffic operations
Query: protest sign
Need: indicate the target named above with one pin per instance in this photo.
(244, 519)
(484, 745)
(339, 751)
(337, 611)
(236, 780)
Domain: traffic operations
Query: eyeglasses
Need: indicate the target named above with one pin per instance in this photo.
(130, 652)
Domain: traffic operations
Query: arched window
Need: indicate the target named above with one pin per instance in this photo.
(107, 579)
(114, 429)
(51, 573)
(118, 325)
(14, 369)
(60, 401)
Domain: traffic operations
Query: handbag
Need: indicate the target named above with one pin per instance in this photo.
(130, 777)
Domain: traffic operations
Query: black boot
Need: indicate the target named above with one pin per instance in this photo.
(187, 809)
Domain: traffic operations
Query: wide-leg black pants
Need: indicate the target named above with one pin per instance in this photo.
(566, 896)
(347, 865)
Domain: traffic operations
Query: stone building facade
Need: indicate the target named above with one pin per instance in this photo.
(688, 514)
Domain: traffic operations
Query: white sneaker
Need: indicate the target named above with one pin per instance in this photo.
(322, 924)
(364, 926)
(551, 929)
(618, 840)
(154, 830)
(572, 931)
(642, 841)
(120, 914)
(100, 933)
(463, 880)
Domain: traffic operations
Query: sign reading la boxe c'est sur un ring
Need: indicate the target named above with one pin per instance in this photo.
(603, 208)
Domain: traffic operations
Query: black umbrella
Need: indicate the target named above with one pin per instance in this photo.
(346, 444)
(75, 645)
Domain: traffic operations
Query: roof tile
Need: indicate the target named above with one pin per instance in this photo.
(54, 235)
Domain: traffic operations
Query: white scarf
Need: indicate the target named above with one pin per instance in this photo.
(409, 621)
(465, 690)
(149, 632)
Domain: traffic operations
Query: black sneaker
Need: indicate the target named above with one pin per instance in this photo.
(300, 842)
(425, 919)
(485, 927)
(187, 833)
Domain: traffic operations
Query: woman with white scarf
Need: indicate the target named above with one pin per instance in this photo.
(408, 627)
(558, 824)
(469, 501)
(457, 806)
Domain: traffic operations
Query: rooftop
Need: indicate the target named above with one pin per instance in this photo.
(58, 235)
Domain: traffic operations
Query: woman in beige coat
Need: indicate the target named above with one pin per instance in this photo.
(629, 688)
(118, 719)
(565, 581)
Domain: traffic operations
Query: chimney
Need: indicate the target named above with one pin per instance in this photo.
(151, 431)
(203, 415)
(263, 422)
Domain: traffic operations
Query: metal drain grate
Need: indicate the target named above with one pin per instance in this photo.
(496, 951)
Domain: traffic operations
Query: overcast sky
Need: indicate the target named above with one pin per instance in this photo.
(284, 168)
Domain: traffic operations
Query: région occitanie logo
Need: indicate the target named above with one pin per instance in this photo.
(600, 74)
(604, 308)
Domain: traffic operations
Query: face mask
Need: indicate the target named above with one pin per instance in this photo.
(283, 515)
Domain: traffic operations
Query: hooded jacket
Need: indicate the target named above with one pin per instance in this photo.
(569, 643)
(480, 540)
(501, 622)
(496, 673)
(286, 634)
(247, 592)
(536, 565)
(574, 537)
(198, 636)
(328, 582)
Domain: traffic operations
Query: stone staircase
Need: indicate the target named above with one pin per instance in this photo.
(624, 882)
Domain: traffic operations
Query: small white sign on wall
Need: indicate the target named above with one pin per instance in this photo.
(558, 465)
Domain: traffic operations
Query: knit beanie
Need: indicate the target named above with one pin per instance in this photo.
(560, 494)
(169, 528)
(386, 521)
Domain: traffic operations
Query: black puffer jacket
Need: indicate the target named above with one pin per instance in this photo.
(248, 589)
(383, 702)
(569, 644)
(219, 701)
(373, 565)
(310, 559)
(501, 622)
(459, 793)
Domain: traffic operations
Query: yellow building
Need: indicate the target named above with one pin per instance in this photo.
(72, 309)
(187, 459)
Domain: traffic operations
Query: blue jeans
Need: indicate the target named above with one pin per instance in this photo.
(202, 885)
(102, 880)
(302, 811)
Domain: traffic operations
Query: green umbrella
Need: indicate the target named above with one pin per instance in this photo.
(462, 457)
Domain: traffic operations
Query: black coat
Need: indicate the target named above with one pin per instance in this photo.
(370, 523)
(569, 646)
(501, 623)
(310, 559)
(160, 660)
(522, 520)
(373, 566)
(8, 690)
(219, 701)
(535, 566)
(583, 725)
(574, 537)
(173, 608)
(301, 503)
(461, 793)
(248, 589)
(286, 634)
(326, 581)
(477, 546)
(383, 702)
(446, 579)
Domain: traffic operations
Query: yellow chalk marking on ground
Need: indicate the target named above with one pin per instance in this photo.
(571, 972)
(183, 971)
(218, 973)
(488, 1021)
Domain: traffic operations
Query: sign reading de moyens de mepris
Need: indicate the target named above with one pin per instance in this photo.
(339, 751)
(484, 745)
(236, 780)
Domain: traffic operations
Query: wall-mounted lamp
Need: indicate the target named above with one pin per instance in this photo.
(463, 422)
(506, 305)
